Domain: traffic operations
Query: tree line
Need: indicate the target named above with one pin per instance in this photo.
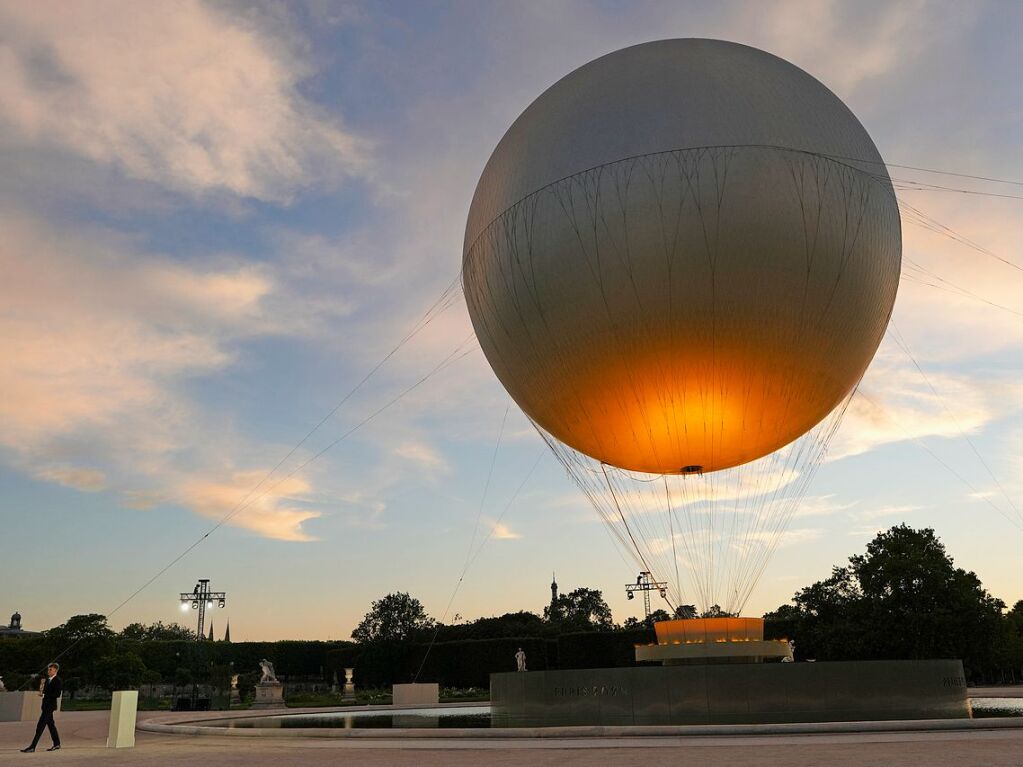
(902, 598)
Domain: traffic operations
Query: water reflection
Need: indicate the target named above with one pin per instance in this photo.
(988, 707)
(463, 716)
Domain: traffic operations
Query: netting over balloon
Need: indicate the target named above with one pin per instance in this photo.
(709, 536)
(694, 309)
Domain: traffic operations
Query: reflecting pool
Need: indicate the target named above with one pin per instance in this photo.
(474, 717)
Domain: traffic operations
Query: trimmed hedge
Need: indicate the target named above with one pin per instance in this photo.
(604, 649)
(290, 658)
(464, 663)
(469, 663)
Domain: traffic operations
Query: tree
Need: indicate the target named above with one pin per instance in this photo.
(220, 677)
(782, 623)
(518, 624)
(158, 631)
(81, 639)
(121, 671)
(685, 612)
(79, 627)
(903, 598)
(714, 611)
(397, 617)
(183, 677)
(580, 610)
(654, 617)
(1015, 618)
(1012, 644)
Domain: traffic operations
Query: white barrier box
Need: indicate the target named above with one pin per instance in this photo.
(123, 709)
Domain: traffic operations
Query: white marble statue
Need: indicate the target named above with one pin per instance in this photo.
(268, 671)
(520, 660)
(791, 657)
(2, 688)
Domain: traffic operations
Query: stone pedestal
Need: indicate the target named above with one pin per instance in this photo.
(415, 694)
(21, 706)
(123, 709)
(269, 695)
(349, 689)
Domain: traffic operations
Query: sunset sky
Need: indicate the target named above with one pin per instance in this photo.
(216, 218)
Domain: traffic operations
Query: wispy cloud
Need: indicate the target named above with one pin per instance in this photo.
(501, 531)
(851, 44)
(99, 339)
(884, 512)
(897, 404)
(362, 509)
(982, 495)
(88, 480)
(92, 329)
(693, 547)
(276, 511)
(823, 505)
(423, 455)
(142, 500)
(942, 324)
(189, 96)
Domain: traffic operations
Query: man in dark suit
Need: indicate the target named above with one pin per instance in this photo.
(50, 690)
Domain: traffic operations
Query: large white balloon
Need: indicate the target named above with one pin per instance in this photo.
(682, 256)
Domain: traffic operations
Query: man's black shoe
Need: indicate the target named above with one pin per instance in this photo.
(54, 747)
(29, 750)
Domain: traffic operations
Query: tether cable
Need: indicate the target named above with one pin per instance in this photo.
(444, 302)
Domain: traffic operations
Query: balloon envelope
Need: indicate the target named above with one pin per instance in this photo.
(682, 256)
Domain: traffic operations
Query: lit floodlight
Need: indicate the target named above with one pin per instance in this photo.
(195, 605)
(184, 607)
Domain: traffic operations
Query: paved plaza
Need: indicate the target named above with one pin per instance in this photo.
(84, 734)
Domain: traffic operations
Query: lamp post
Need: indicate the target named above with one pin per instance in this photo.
(199, 599)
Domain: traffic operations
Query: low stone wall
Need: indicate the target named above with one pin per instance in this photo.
(726, 694)
(22, 706)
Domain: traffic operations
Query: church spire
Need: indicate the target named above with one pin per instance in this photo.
(554, 595)
(227, 634)
(211, 630)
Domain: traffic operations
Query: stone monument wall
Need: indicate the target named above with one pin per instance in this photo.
(726, 694)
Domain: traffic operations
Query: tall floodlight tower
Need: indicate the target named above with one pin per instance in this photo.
(199, 599)
(645, 582)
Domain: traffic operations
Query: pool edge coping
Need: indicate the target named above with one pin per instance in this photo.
(166, 726)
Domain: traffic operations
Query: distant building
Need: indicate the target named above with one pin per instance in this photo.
(14, 629)
(554, 597)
